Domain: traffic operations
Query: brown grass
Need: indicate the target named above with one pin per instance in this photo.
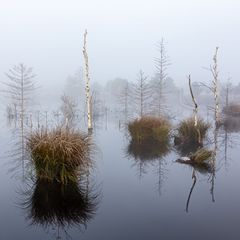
(232, 110)
(58, 153)
(149, 129)
(188, 133)
(200, 156)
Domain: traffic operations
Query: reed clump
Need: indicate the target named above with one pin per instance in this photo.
(188, 133)
(149, 129)
(58, 154)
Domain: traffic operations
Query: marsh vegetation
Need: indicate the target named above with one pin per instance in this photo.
(58, 154)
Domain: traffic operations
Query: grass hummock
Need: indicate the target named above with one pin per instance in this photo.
(232, 110)
(201, 155)
(189, 134)
(58, 154)
(149, 129)
(200, 158)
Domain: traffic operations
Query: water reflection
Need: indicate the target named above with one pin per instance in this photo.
(149, 153)
(53, 205)
(205, 168)
(232, 124)
(191, 190)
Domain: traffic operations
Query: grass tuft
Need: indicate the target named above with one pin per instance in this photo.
(57, 154)
(149, 129)
(232, 110)
(188, 133)
(201, 156)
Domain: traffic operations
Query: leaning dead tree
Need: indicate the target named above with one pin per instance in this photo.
(161, 64)
(195, 111)
(88, 93)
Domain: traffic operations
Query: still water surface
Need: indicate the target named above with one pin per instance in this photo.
(128, 198)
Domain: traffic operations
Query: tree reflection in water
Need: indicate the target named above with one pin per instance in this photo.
(149, 153)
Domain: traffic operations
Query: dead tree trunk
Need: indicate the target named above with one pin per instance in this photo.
(215, 73)
(88, 93)
(195, 111)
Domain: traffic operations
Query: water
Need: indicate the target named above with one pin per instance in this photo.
(134, 199)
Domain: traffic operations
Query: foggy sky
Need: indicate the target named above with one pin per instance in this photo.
(48, 35)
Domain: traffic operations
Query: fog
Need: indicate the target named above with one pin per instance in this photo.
(119, 155)
(48, 35)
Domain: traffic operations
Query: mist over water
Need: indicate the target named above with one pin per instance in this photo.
(141, 177)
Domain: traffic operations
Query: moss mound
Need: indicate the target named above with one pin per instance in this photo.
(149, 129)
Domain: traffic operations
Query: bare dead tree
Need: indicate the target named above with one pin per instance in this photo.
(161, 64)
(124, 99)
(227, 90)
(141, 94)
(195, 110)
(68, 109)
(20, 86)
(88, 93)
(213, 162)
(215, 73)
(214, 87)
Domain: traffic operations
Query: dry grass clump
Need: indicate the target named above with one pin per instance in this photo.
(199, 160)
(57, 154)
(149, 129)
(188, 133)
(232, 110)
(201, 156)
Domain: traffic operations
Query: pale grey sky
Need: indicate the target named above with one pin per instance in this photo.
(48, 35)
